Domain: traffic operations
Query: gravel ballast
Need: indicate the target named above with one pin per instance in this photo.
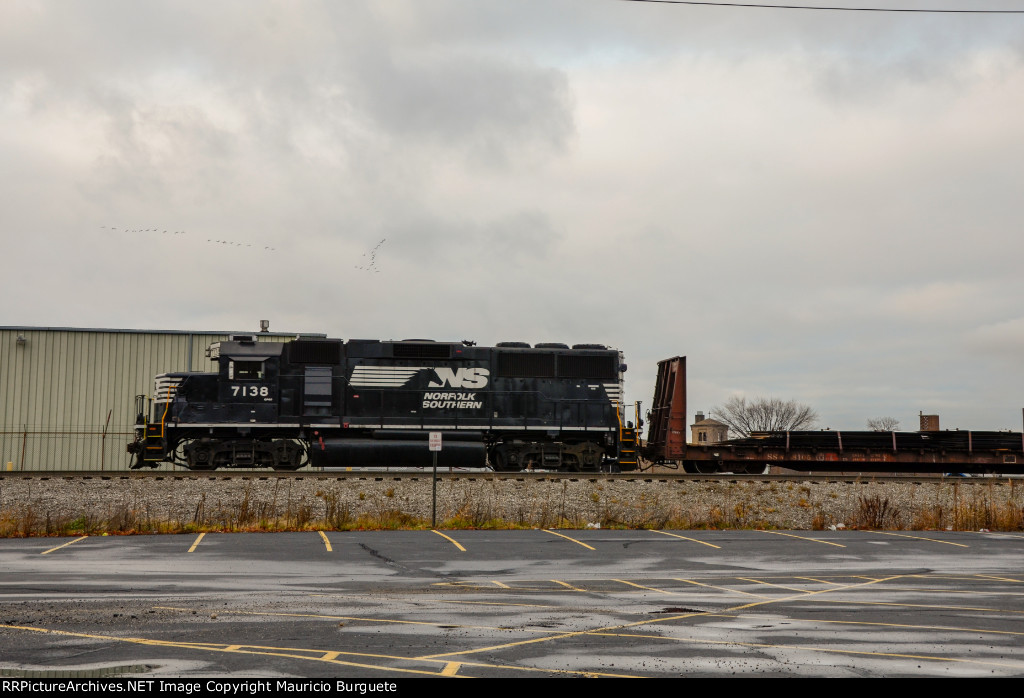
(36, 504)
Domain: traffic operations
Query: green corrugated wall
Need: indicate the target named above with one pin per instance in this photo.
(58, 386)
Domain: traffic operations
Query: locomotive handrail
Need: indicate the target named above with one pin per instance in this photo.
(163, 417)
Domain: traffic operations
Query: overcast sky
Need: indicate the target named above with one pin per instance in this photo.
(817, 205)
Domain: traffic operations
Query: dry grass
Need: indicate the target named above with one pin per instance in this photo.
(980, 511)
(876, 512)
(997, 506)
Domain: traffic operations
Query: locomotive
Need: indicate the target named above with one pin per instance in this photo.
(359, 403)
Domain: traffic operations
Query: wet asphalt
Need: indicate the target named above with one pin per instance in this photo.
(526, 603)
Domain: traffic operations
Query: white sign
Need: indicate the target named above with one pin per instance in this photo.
(435, 441)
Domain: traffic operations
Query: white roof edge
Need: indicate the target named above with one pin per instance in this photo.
(30, 328)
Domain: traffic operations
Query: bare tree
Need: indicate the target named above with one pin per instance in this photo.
(884, 424)
(764, 414)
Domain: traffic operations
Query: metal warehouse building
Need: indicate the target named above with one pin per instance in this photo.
(67, 395)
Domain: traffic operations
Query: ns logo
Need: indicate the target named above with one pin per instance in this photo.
(460, 377)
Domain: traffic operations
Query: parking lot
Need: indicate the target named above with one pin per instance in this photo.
(515, 603)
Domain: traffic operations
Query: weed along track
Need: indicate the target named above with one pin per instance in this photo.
(94, 503)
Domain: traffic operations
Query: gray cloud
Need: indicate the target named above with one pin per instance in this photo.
(812, 205)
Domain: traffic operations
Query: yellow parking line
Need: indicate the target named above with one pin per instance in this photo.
(769, 584)
(813, 540)
(986, 609)
(640, 586)
(618, 629)
(196, 543)
(496, 583)
(712, 586)
(566, 584)
(562, 636)
(805, 594)
(950, 628)
(952, 592)
(383, 621)
(1000, 579)
(807, 648)
(933, 540)
(658, 621)
(820, 581)
(460, 585)
(675, 535)
(451, 669)
(326, 542)
(299, 653)
(64, 545)
(450, 540)
(497, 603)
(316, 655)
(556, 533)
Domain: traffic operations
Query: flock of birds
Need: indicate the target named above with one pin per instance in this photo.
(181, 232)
(370, 266)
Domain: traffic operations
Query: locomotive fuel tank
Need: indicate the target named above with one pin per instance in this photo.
(406, 447)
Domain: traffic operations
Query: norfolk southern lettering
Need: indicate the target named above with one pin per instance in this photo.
(451, 401)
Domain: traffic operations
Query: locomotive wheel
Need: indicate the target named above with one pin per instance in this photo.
(200, 459)
(500, 460)
(501, 464)
(287, 456)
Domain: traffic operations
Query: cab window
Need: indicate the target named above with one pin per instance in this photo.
(245, 370)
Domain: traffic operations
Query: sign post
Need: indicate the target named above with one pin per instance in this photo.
(435, 446)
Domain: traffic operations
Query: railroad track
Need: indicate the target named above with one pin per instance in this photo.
(398, 474)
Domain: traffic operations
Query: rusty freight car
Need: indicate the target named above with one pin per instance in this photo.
(820, 451)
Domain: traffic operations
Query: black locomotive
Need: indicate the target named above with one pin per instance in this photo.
(329, 403)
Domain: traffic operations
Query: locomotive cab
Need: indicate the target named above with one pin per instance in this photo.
(248, 375)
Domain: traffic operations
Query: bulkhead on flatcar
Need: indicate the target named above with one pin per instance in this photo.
(371, 402)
